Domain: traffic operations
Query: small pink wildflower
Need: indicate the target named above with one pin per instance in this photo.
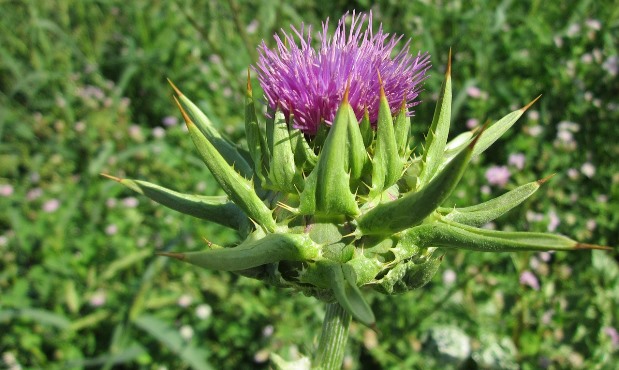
(529, 279)
(497, 175)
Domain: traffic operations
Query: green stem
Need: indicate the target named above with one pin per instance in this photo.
(330, 353)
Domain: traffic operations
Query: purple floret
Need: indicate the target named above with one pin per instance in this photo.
(310, 83)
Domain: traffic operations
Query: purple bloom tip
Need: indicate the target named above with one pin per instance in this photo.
(309, 83)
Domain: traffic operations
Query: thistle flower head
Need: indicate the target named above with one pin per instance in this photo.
(309, 83)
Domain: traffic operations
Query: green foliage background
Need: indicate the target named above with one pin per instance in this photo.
(83, 91)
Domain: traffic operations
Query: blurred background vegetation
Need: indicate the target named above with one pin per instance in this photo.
(83, 90)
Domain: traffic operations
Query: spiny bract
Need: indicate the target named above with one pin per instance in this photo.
(348, 207)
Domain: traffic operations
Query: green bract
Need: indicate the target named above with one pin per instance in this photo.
(348, 208)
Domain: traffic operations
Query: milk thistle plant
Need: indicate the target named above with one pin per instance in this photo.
(328, 197)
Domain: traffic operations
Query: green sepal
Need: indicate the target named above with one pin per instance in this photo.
(327, 190)
(495, 131)
(481, 214)
(212, 208)
(414, 207)
(386, 164)
(342, 280)
(448, 234)
(272, 248)
(408, 276)
(304, 156)
(283, 175)
(357, 155)
(227, 150)
(439, 129)
(402, 127)
(256, 141)
(366, 129)
(239, 189)
(321, 135)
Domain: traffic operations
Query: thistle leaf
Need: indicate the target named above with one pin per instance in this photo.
(283, 175)
(439, 130)
(483, 213)
(412, 208)
(272, 248)
(216, 208)
(448, 234)
(386, 164)
(327, 190)
(256, 141)
(239, 189)
(227, 150)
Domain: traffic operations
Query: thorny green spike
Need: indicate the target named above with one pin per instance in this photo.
(271, 248)
(256, 141)
(483, 213)
(495, 131)
(216, 209)
(225, 148)
(327, 190)
(402, 127)
(437, 135)
(366, 129)
(304, 156)
(386, 164)
(239, 189)
(283, 175)
(414, 207)
(447, 234)
(357, 156)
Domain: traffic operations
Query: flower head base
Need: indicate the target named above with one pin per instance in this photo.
(310, 83)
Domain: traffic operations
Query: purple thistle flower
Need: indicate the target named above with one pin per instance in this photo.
(309, 83)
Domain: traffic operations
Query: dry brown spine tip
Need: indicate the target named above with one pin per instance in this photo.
(185, 116)
(524, 109)
(249, 90)
(592, 246)
(111, 177)
(448, 71)
(545, 179)
(176, 90)
(478, 135)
